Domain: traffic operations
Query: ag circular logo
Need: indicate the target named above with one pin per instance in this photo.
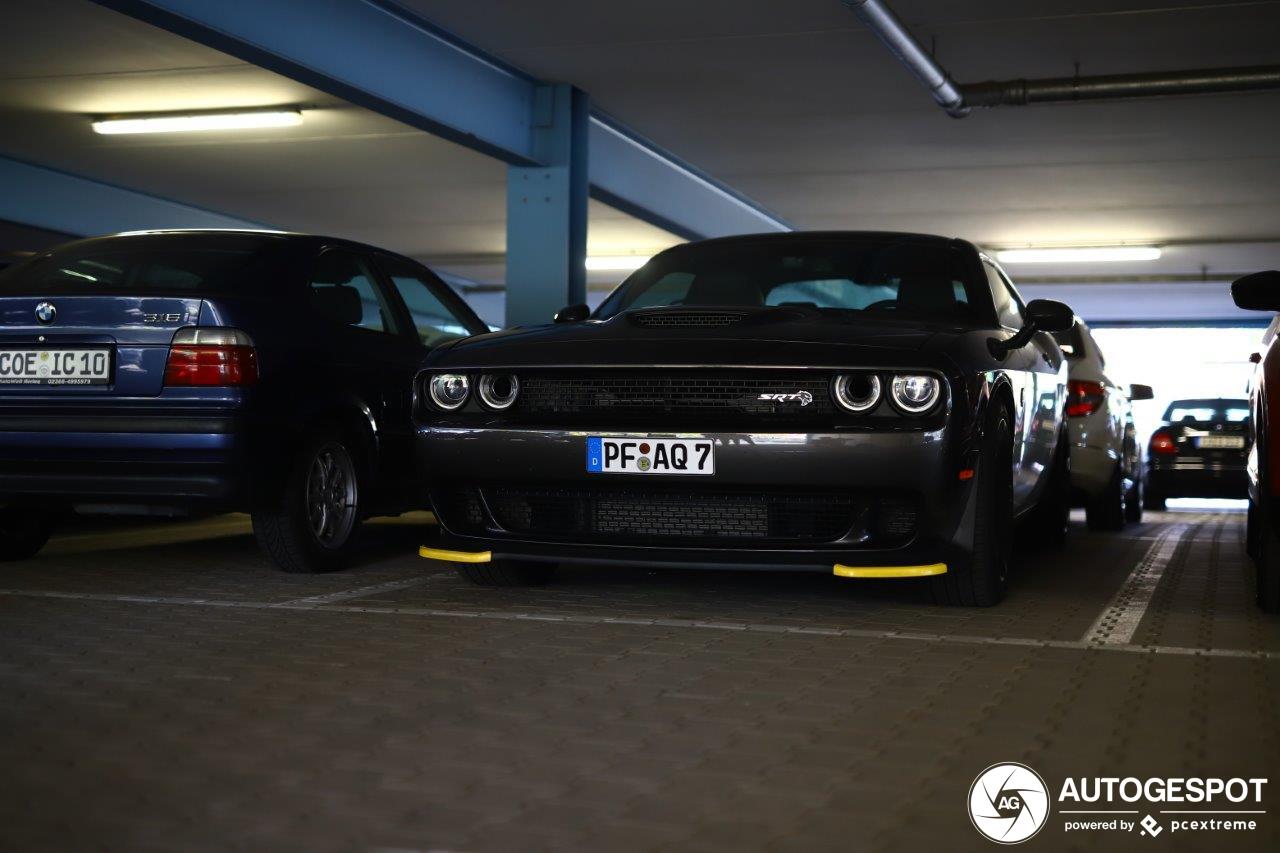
(1008, 803)
(45, 312)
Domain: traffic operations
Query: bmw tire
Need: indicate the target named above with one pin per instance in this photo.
(23, 532)
(312, 521)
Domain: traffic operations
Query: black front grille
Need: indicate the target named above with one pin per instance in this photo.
(790, 396)
(633, 515)
(687, 319)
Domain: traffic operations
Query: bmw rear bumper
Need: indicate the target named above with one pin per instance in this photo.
(155, 460)
(801, 501)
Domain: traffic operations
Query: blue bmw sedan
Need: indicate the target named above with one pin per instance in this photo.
(171, 372)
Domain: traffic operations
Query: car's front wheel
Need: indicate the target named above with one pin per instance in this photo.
(980, 580)
(310, 523)
(508, 573)
(23, 532)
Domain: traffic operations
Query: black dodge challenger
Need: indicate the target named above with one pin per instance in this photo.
(866, 404)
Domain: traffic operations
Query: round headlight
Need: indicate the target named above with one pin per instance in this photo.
(857, 392)
(498, 391)
(449, 390)
(915, 395)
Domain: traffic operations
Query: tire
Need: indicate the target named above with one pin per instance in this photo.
(981, 579)
(1153, 500)
(1105, 511)
(508, 573)
(1051, 518)
(1134, 502)
(23, 532)
(1267, 569)
(312, 521)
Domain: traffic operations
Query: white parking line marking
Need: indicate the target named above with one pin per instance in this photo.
(360, 592)
(1119, 621)
(695, 624)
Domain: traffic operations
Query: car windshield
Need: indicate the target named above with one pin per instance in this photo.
(884, 275)
(1207, 411)
(157, 263)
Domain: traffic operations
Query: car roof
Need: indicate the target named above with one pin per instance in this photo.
(816, 236)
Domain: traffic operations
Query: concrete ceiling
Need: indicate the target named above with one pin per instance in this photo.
(345, 171)
(794, 104)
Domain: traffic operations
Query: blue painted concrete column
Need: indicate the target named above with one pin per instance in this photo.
(547, 211)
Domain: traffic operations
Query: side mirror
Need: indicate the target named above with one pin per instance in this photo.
(573, 313)
(1050, 316)
(1141, 392)
(1257, 292)
(1042, 315)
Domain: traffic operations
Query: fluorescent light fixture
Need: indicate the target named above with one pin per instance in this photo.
(616, 263)
(1082, 255)
(199, 121)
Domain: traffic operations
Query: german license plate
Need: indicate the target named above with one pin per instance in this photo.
(71, 366)
(650, 456)
(1221, 442)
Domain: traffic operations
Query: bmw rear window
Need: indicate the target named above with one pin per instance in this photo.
(194, 264)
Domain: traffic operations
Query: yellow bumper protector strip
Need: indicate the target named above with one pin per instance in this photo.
(889, 571)
(455, 556)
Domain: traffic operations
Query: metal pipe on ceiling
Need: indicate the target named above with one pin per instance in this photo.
(1210, 81)
(958, 99)
(895, 36)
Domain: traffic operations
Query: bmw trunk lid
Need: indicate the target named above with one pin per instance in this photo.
(132, 334)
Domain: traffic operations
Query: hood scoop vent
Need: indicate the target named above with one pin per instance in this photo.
(687, 319)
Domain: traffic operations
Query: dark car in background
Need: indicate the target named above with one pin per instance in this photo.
(1261, 292)
(864, 404)
(1199, 451)
(196, 371)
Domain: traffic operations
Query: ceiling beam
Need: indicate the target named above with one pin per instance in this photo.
(380, 56)
(60, 201)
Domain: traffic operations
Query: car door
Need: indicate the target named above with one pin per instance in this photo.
(1037, 373)
(431, 314)
(371, 352)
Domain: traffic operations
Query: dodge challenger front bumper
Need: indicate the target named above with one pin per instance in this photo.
(859, 503)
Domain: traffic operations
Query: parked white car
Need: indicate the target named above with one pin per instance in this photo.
(1106, 455)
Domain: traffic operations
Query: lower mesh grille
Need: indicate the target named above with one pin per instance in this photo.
(641, 515)
(648, 516)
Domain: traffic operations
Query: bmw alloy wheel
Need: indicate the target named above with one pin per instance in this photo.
(331, 495)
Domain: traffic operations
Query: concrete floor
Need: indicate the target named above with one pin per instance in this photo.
(162, 687)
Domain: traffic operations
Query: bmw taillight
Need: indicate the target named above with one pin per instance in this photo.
(1084, 398)
(211, 356)
(1163, 444)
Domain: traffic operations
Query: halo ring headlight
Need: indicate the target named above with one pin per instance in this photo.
(856, 392)
(449, 391)
(915, 394)
(498, 391)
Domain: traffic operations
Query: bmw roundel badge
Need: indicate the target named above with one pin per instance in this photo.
(45, 312)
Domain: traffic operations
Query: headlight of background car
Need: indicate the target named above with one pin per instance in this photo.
(915, 394)
(449, 390)
(498, 391)
(857, 392)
